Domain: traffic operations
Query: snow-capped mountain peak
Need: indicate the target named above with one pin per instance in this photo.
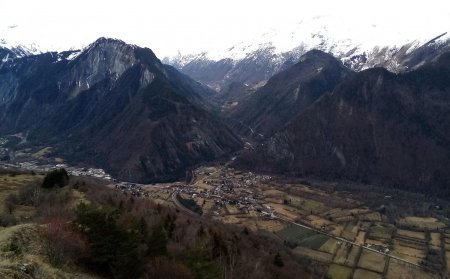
(20, 50)
(343, 37)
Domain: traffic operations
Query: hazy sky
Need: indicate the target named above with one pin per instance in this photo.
(193, 25)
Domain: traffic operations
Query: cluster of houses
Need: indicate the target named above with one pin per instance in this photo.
(133, 189)
(29, 166)
(97, 173)
(380, 248)
(227, 189)
(29, 162)
(36, 166)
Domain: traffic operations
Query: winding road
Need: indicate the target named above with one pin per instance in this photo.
(191, 213)
(182, 207)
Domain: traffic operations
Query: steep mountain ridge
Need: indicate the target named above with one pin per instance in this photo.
(115, 106)
(376, 127)
(288, 93)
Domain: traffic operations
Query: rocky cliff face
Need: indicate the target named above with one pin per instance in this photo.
(375, 127)
(115, 106)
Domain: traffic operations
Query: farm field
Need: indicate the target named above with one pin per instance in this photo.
(353, 256)
(447, 258)
(366, 274)
(411, 234)
(380, 232)
(297, 236)
(341, 255)
(421, 222)
(398, 270)
(339, 272)
(435, 240)
(372, 261)
(330, 246)
(313, 254)
(411, 254)
(376, 225)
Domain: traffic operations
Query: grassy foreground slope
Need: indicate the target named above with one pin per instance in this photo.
(87, 230)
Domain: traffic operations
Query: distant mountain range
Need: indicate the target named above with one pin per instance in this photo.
(332, 112)
(115, 106)
(241, 69)
(14, 50)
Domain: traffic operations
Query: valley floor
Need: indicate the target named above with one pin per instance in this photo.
(358, 230)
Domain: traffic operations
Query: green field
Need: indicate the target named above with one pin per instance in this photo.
(314, 241)
(372, 261)
(298, 236)
(307, 204)
(378, 231)
(336, 271)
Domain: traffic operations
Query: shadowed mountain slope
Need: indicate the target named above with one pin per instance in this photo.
(114, 106)
(375, 127)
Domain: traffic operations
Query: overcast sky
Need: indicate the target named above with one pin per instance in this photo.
(193, 25)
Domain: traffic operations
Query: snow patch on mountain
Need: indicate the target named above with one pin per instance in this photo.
(359, 44)
(73, 55)
(20, 50)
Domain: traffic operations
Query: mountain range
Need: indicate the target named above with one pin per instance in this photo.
(242, 68)
(287, 93)
(322, 110)
(375, 127)
(115, 106)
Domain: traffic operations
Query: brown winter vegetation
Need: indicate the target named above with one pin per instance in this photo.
(93, 231)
